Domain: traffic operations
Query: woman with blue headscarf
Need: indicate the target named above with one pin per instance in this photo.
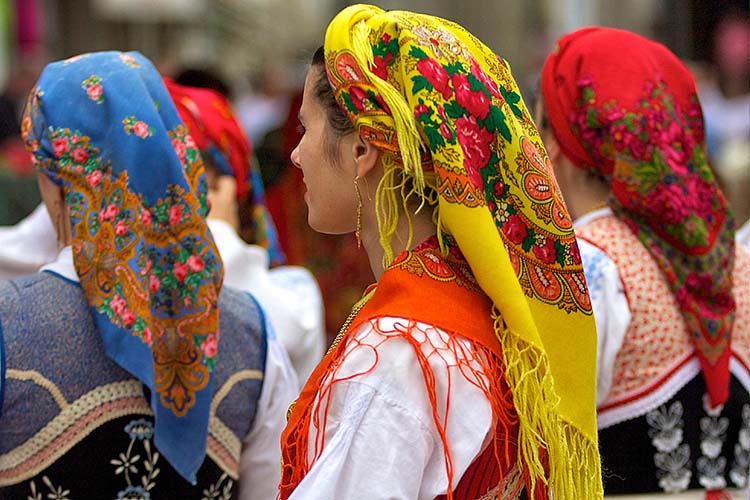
(127, 371)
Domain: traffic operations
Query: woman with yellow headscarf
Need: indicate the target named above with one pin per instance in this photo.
(467, 371)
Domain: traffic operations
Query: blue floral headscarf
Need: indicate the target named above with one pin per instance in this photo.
(103, 127)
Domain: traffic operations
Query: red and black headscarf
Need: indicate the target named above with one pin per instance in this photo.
(625, 108)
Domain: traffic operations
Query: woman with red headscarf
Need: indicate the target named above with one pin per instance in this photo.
(289, 294)
(671, 295)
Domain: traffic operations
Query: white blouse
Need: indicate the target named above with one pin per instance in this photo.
(259, 462)
(608, 300)
(743, 236)
(380, 440)
(288, 294)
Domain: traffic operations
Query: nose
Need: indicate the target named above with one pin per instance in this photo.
(295, 157)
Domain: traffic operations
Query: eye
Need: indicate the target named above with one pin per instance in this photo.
(300, 129)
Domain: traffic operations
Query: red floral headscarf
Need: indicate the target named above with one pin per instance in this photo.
(214, 127)
(626, 108)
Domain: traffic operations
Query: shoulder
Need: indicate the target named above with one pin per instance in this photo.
(238, 305)
(35, 289)
(391, 352)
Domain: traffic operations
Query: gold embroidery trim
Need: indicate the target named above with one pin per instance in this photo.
(41, 381)
(62, 423)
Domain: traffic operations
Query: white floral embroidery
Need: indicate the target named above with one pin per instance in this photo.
(56, 492)
(666, 431)
(674, 469)
(740, 472)
(672, 458)
(711, 466)
(217, 491)
(142, 431)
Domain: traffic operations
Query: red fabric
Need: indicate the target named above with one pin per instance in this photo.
(625, 108)
(210, 120)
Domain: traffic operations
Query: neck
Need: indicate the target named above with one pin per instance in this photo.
(590, 195)
(422, 228)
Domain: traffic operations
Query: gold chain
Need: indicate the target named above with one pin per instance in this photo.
(594, 208)
(353, 314)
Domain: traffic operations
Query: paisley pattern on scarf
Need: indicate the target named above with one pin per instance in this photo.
(461, 113)
(135, 191)
(454, 133)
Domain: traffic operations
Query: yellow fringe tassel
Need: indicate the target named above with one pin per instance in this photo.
(573, 460)
(409, 141)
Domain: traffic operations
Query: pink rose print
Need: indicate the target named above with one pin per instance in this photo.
(360, 99)
(421, 110)
(147, 269)
(146, 217)
(380, 66)
(79, 155)
(476, 103)
(128, 318)
(117, 304)
(488, 82)
(95, 92)
(515, 229)
(445, 131)
(699, 284)
(137, 127)
(190, 142)
(701, 196)
(141, 129)
(546, 252)
(475, 144)
(93, 87)
(108, 213)
(94, 178)
(153, 284)
(180, 271)
(175, 214)
(210, 345)
(120, 228)
(146, 335)
(668, 201)
(179, 148)
(195, 263)
(498, 188)
(723, 303)
(436, 75)
(683, 298)
(60, 146)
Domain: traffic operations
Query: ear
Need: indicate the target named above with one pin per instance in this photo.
(366, 156)
(52, 195)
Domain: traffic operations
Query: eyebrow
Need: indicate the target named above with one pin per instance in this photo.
(299, 117)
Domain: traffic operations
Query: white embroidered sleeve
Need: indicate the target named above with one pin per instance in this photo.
(380, 440)
(611, 311)
(260, 461)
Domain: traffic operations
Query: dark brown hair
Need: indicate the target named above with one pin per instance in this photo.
(323, 91)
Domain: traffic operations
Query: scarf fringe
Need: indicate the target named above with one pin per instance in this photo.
(552, 450)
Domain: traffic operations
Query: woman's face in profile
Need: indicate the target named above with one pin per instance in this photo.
(330, 195)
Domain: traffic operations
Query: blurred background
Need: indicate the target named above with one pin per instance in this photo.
(256, 52)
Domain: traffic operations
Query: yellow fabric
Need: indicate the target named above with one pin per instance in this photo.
(448, 116)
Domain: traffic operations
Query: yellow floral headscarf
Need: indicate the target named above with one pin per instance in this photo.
(449, 118)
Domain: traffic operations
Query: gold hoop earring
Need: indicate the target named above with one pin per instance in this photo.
(358, 229)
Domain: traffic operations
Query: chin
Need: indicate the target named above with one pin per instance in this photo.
(326, 228)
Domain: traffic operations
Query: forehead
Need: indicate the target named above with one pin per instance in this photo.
(310, 104)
